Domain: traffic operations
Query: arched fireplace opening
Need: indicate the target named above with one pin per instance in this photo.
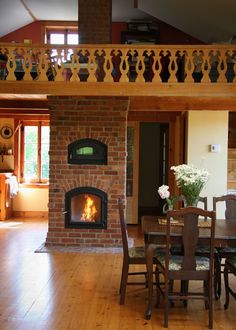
(86, 207)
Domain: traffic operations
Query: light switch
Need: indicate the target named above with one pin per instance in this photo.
(215, 147)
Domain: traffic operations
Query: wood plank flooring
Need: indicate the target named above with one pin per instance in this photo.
(79, 291)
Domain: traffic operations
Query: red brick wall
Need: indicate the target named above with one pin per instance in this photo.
(73, 118)
(95, 19)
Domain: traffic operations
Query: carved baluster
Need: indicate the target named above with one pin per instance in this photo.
(140, 65)
(108, 65)
(173, 66)
(27, 64)
(222, 67)
(188, 66)
(59, 65)
(11, 65)
(205, 66)
(43, 64)
(93, 65)
(156, 66)
(75, 66)
(124, 65)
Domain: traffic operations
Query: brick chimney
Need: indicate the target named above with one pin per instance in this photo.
(95, 21)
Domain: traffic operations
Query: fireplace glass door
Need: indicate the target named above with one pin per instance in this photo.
(86, 207)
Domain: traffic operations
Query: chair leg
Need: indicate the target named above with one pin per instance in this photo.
(184, 290)
(217, 277)
(124, 278)
(210, 305)
(226, 279)
(206, 294)
(158, 283)
(166, 304)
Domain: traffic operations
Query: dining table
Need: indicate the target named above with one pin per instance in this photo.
(154, 230)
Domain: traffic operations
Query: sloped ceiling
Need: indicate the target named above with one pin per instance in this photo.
(212, 21)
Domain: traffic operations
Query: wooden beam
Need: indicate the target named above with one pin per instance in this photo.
(24, 104)
(182, 103)
(190, 90)
(19, 111)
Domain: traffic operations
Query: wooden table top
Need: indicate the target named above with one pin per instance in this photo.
(225, 230)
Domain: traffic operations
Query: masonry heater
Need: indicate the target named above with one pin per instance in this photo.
(86, 207)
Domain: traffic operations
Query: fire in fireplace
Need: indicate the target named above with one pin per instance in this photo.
(86, 207)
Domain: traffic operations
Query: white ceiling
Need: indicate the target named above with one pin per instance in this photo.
(208, 20)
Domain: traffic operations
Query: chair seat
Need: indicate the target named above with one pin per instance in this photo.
(139, 251)
(231, 261)
(202, 263)
(177, 249)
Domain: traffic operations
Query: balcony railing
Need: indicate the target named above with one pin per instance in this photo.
(118, 63)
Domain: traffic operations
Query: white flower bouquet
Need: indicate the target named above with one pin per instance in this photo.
(191, 181)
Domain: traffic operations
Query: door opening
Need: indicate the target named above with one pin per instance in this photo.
(153, 166)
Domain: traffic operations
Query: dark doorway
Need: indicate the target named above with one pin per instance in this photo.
(153, 166)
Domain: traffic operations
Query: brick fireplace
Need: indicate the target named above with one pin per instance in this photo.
(102, 119)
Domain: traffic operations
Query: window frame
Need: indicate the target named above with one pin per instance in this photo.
(66, 30)
(21, 152)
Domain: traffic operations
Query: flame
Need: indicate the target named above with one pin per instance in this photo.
(89, 210)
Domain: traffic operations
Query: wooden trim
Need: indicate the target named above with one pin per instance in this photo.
(35, 185)
(39, 150)
(21, 153)
(28, 10)
(30, 214)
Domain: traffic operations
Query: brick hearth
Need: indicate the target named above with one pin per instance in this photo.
(71, 119)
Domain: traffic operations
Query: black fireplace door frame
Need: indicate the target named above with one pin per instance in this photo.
(102, 224)
(87, 151)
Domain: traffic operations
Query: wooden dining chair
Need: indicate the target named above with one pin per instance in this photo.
(131, 256)
(225, 252)
(188, 266)
(230, 267)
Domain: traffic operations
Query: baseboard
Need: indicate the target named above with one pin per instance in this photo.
(30, 214)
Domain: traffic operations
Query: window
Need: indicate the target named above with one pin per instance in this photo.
(62, 36)
(34, 153)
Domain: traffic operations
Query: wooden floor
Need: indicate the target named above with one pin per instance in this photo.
(79, 291)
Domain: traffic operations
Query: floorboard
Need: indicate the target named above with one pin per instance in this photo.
(79, 291)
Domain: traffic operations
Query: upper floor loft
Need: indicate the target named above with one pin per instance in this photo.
(118, 70)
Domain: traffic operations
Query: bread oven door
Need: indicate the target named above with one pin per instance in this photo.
(86, 207)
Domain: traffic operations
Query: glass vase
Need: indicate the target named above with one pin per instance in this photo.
(190, 200)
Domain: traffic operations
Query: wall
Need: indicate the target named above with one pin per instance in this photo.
(31, 200)
(205, 128)
(71, 119)
(31, 31)
(168, 34)
(171, 35)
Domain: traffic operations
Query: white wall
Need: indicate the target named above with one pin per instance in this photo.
(206, 128)
(31, 199)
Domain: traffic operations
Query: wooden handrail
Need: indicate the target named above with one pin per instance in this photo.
(118, 63)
